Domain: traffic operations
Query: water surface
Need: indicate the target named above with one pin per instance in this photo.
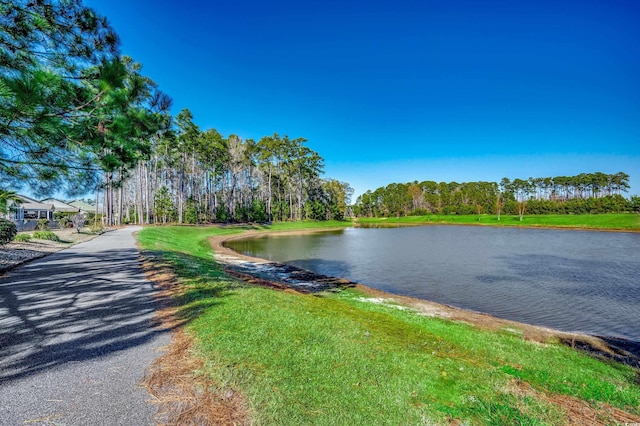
(575, 281)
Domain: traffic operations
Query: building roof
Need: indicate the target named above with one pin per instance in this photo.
(83, 206)
(68, 209)
(61, 206)
(26, 199)
(37, 206)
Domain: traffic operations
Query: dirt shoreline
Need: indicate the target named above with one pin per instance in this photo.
(286, 277)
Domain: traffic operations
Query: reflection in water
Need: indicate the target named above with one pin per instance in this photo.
(570, 280)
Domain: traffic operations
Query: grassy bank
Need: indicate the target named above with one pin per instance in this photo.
(345, 359)
(629, 222)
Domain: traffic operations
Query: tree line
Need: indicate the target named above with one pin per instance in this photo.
(77, 116)
(195, 176)
(584, 193)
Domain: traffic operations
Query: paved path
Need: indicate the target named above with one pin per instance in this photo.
(76, 337)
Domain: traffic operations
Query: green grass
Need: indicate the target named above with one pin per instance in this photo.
(45, 235)
(588, 221)
(22, 238)
(342, 359)
(310, 225)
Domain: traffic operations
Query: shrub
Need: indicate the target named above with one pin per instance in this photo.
(190, 214)
(43, 224)
(78, 221)
(8, 231)
(22, 238)
(45, 235)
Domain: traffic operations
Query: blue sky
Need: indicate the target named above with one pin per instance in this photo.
(396, 91)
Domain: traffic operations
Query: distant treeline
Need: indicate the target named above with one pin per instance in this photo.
(584, 193)
(194, 176)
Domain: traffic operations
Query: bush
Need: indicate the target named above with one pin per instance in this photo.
(45, 235)
(8, 231)
(421, 212)
(190, 214)
(78, 221)
(43, 224)
(97, 230)
(22, 238)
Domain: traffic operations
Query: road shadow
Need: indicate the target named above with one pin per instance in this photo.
(73, 306)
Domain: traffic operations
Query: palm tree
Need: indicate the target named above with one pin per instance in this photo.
(7, 199)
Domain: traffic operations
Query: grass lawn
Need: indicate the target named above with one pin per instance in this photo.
(589, 221)
(341, 358)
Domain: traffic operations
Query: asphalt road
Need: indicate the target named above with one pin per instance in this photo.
(76, 335)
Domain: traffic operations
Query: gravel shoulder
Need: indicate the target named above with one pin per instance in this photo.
(17, 253)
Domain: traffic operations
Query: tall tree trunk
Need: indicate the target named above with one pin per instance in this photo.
(180, 195)
(140, 194)
(120, 200)
(108, 201)
(147, 204)
(95, 219)
(270, 199)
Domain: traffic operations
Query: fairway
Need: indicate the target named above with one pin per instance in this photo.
(615, 222)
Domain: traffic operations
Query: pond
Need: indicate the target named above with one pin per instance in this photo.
(576, 281)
